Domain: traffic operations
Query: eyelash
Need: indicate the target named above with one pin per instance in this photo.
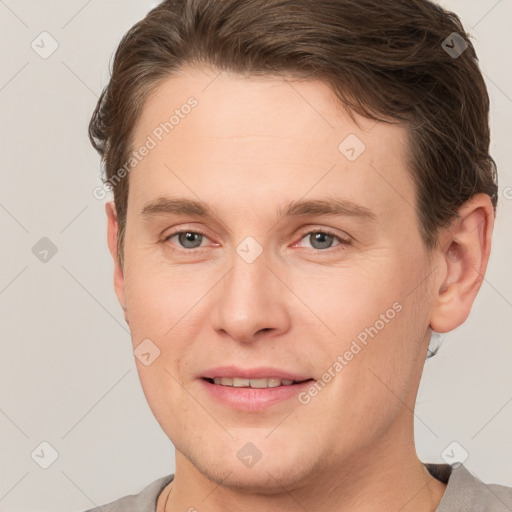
(343, 241)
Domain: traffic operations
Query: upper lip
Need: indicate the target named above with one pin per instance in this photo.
(261, 372)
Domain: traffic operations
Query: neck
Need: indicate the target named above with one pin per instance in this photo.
(387, 476)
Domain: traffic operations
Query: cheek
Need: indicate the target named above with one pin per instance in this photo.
(162, 296)
(165, 397)
(162, 319)
(346, 300)
(376, 319)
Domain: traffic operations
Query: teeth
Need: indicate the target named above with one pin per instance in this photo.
(239, 383)
(258, 383)
(273, 383)
(236, 382)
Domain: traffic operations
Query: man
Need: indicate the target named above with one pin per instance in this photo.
(303, 194)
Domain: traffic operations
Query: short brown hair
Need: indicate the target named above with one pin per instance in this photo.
(384, 60)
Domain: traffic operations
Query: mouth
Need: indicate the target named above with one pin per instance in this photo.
(263, 383)
(253, 390)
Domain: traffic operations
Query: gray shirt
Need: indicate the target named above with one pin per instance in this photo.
(464, 493)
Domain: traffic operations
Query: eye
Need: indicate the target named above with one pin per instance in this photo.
(187, 239)
(322, 240)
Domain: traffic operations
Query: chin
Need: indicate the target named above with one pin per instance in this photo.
(266, 477)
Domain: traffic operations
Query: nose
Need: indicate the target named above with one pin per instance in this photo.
(251, 301)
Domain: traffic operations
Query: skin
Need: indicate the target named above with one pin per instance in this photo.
(250, 146)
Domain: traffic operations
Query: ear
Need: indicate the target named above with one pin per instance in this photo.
(464, 252)
(112, 234)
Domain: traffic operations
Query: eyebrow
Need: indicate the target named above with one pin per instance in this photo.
(299, 208)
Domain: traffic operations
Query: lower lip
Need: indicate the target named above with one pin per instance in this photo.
(253, 399)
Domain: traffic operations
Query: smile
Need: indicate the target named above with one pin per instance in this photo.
(253, 390)
(239, 382)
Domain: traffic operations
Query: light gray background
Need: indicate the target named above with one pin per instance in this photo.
(67, 371)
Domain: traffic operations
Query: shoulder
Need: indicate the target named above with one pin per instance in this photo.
(465, 491)
(144, 501)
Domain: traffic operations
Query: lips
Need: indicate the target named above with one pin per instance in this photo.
(253, 389)
(262, 372)
(238, 382)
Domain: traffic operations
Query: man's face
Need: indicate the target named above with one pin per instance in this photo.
(339, 301)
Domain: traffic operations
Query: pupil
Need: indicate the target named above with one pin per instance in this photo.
(318, 238)
(188, 237)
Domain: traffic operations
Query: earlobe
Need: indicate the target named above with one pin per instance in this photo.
(464, 252)
(112, 234)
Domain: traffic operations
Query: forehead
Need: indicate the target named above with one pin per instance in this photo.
(265, 137)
